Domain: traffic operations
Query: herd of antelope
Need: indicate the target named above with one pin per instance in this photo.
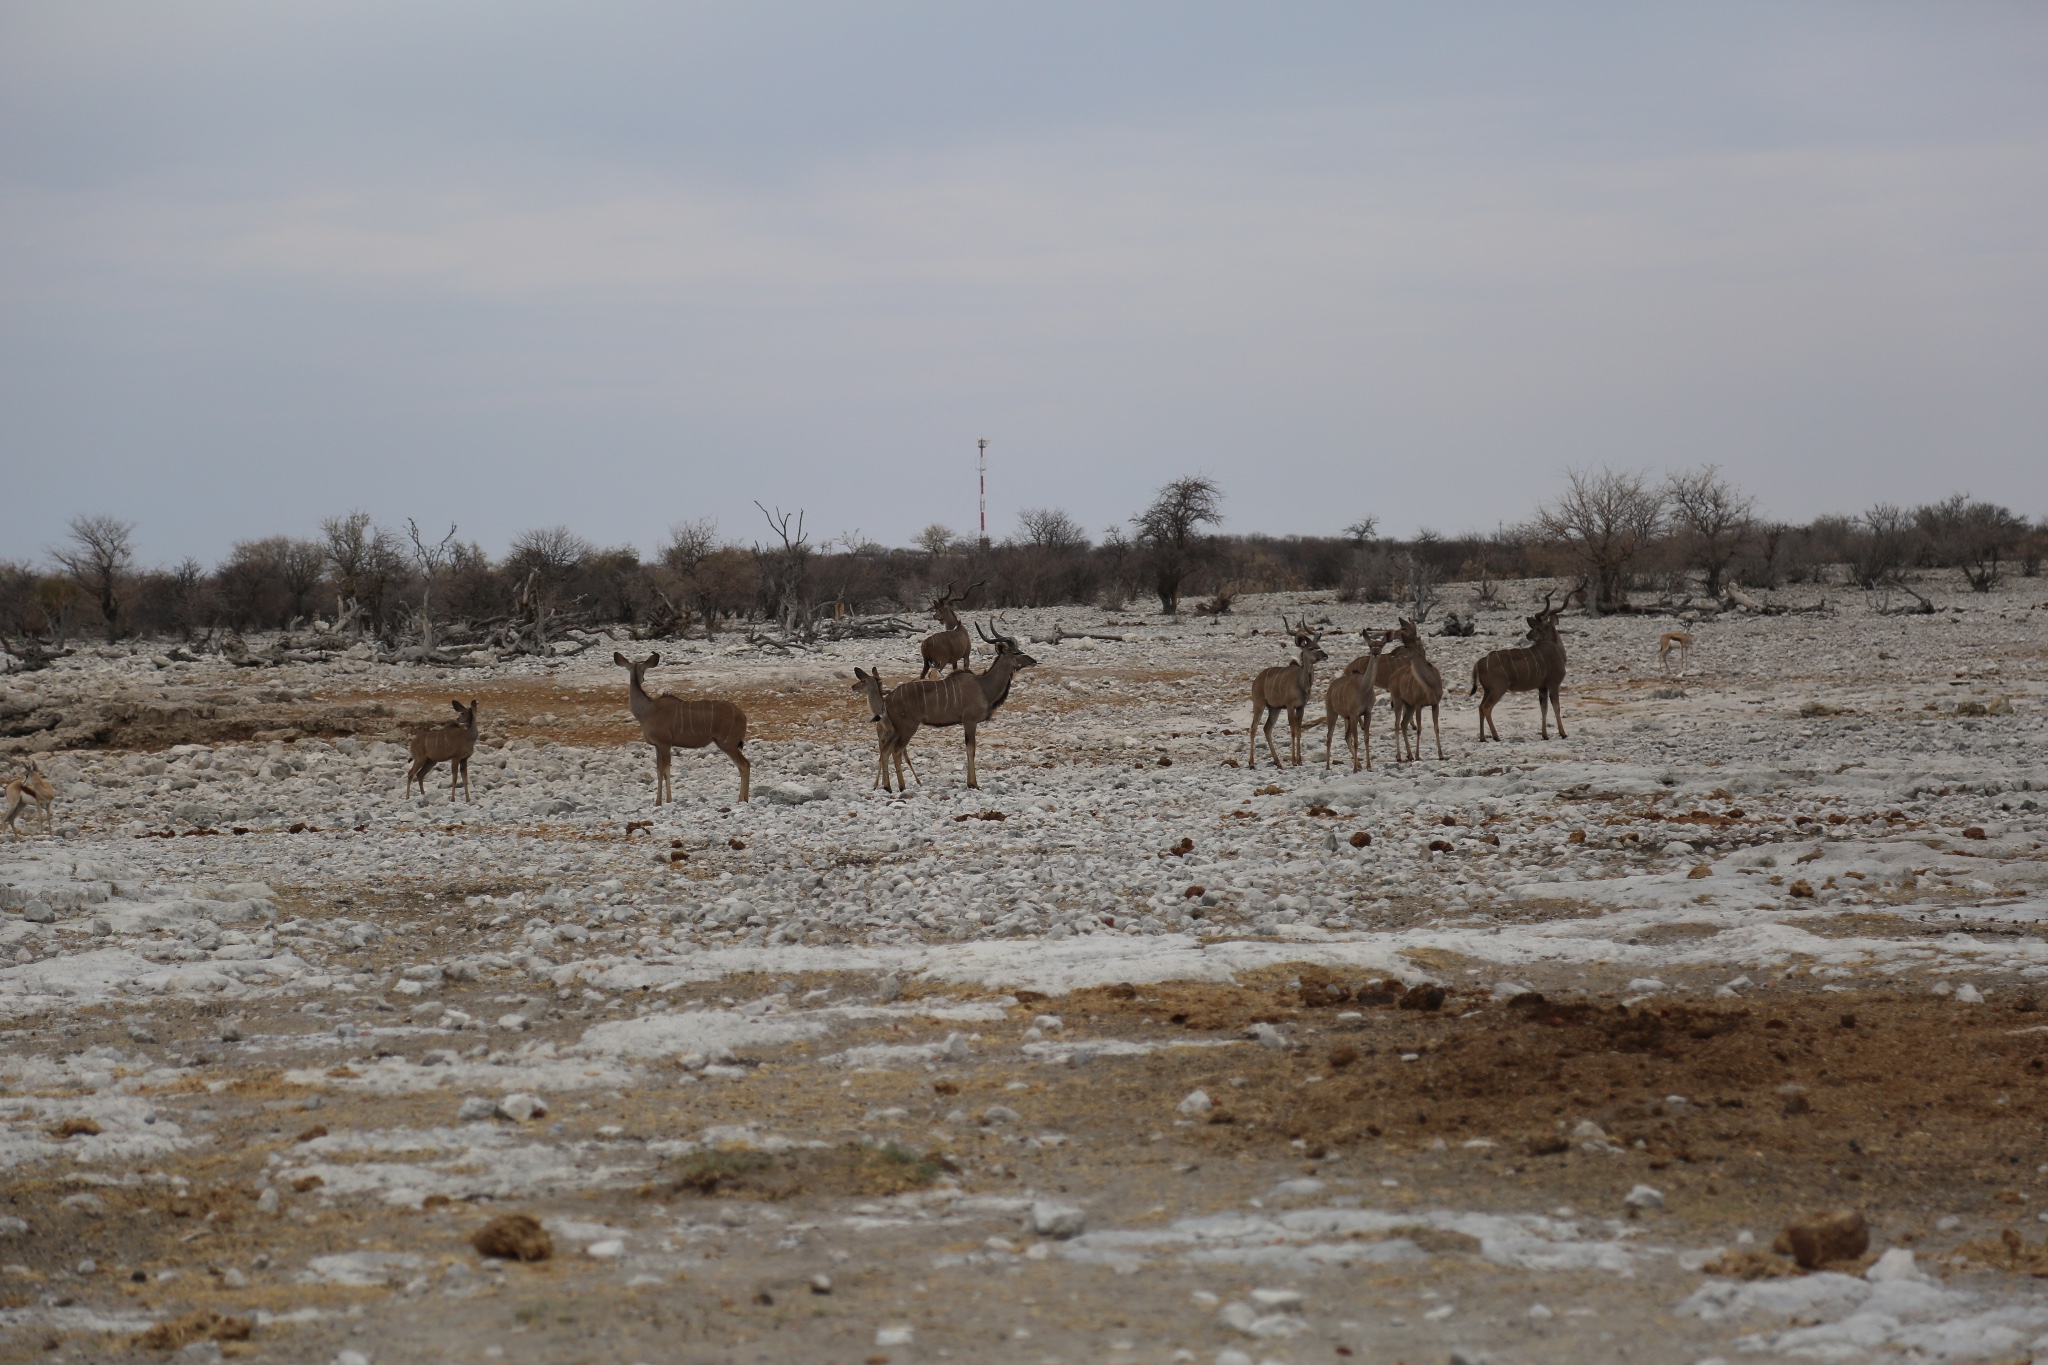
(1395, 662)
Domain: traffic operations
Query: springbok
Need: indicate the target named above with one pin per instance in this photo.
(1412, 683)
(1535, 667)
(1350, 699)
(31, 786)
(1673, 642)
(876, 691)
(1286, 687)
(950, 648)
(964, 699)
(691, 722)
(450, 744)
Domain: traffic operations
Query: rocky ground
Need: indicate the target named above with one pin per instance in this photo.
(1138, 1053)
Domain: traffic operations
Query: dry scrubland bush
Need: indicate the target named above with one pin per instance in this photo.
(1613, 532)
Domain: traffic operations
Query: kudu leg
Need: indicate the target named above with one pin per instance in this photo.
(1256, 713)
(1436, 727)
(661, 755)
(1558, 711)
(733, 752)
(968, 730)
(1272, 715)
(1295, 717)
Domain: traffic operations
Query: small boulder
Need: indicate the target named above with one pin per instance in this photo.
(522, 1108)
(1049, 1218)
(1644, 1198)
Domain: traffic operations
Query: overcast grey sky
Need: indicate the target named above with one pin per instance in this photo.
(622, 265)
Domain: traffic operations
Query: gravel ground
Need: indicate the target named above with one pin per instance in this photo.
(1137, 1053)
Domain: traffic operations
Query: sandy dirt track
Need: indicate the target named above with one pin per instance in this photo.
(1138, 1053)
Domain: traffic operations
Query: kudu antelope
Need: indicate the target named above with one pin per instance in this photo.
(951, 647)
(1286, 687)
(667, 721)
(876, 691)
(1412, 683)
(1673, 642)
(31, 787)
(964, 699)
(1349, 699)
(450, 744)
(1535, 667)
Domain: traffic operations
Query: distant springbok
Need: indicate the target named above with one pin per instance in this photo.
(876, 692)
(31, 786)
(667, 721)
(1286, 687)
(1412, 683)
(1536, 667)
(450, 744)
(951, 647)
(1673, 642)
(964, 699)
(1349, 699)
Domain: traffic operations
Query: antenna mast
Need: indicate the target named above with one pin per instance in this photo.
(983, 443)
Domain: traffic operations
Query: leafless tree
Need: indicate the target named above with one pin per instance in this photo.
(785, 569)
(1360, 532)
(935, 539)
(1603, 522)
(1170, 530)
(1976, 537)
(1050, 528)
(556, 551)
(1881, 544)
(431, 558)
(688, 543)
(98, 560)
(365, 559)
(1713, 519)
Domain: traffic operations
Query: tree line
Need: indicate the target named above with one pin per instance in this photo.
(1618, 534)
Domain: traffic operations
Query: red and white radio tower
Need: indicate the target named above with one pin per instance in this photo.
(983, 443)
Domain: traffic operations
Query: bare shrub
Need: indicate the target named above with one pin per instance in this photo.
(1976, 537)
(1602, 523)
(1712, 520)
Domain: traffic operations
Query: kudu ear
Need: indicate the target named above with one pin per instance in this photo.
(653, 659)
(458, 707)
(621, 660)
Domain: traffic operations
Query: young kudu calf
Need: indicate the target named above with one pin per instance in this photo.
(1536, 667)
(876, 692)
(963, 699)
(450, 744)
(1286, 687)
(1350, 699)
(668, 721)
(1412, 683)
(950, 648)
(31, 786)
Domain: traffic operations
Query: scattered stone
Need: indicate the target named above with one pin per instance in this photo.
(76, 1126)
(1197, 1102)
(894, 1336)
(1824, 1239)
(1000, 1113)
(821, 1284)
(1967, 994)
(476, 1109)
(1049, 1218)
(1644, 1199)
(513, 1237)
(522, 1108)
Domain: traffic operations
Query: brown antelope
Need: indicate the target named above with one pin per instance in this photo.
(876, 691)
(950, 648)
(1535, 667)
(1412, 683)
(691, 722)
(450, 744)
(1286, 687)
(964, 699)
(1673, 642)
(31, 786)
(1350, 700)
